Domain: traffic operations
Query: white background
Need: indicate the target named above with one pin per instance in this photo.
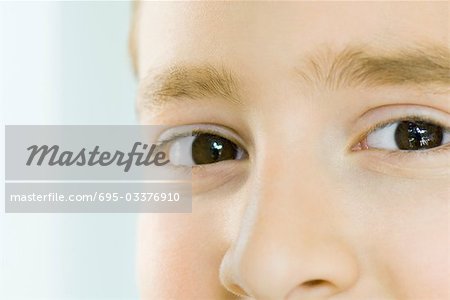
(66, 63)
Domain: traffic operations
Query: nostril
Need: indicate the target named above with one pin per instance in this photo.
(315, 283)
(312, 289)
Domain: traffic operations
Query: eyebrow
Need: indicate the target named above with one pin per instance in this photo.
(325, 69)
(361, 66)
(193, 82)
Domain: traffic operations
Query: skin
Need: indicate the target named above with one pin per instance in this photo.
(303, 217)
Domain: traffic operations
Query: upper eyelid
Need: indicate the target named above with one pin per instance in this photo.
(409, 118)
(207, 128)
(405, 105)
(164, 142)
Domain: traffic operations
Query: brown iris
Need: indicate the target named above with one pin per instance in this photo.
(209, 148)
(418, 135)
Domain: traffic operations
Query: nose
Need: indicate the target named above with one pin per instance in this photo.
(290, 244)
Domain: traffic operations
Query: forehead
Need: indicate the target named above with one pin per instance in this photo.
(274, 34)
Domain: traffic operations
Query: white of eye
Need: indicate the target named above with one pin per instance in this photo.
(180, 152)
(384, 138)
(446, 137)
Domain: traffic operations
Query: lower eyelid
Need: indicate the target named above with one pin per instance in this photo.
(210, 177)
(426, 164)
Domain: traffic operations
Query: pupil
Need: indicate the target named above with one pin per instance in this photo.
(210, 148)
(418, 135)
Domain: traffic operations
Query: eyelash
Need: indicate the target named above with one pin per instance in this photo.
(413, 118)
(396, 153)
(162, 143)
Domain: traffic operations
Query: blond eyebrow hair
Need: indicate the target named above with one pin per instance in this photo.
(191, 82)
(352, 67)
(361, 66)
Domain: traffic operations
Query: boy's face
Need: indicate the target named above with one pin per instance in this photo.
(295, 197)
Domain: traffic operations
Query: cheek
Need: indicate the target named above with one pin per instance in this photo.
(416, 246)
(179, 255)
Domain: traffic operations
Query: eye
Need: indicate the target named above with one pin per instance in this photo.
(406, 135)
(202, 148)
